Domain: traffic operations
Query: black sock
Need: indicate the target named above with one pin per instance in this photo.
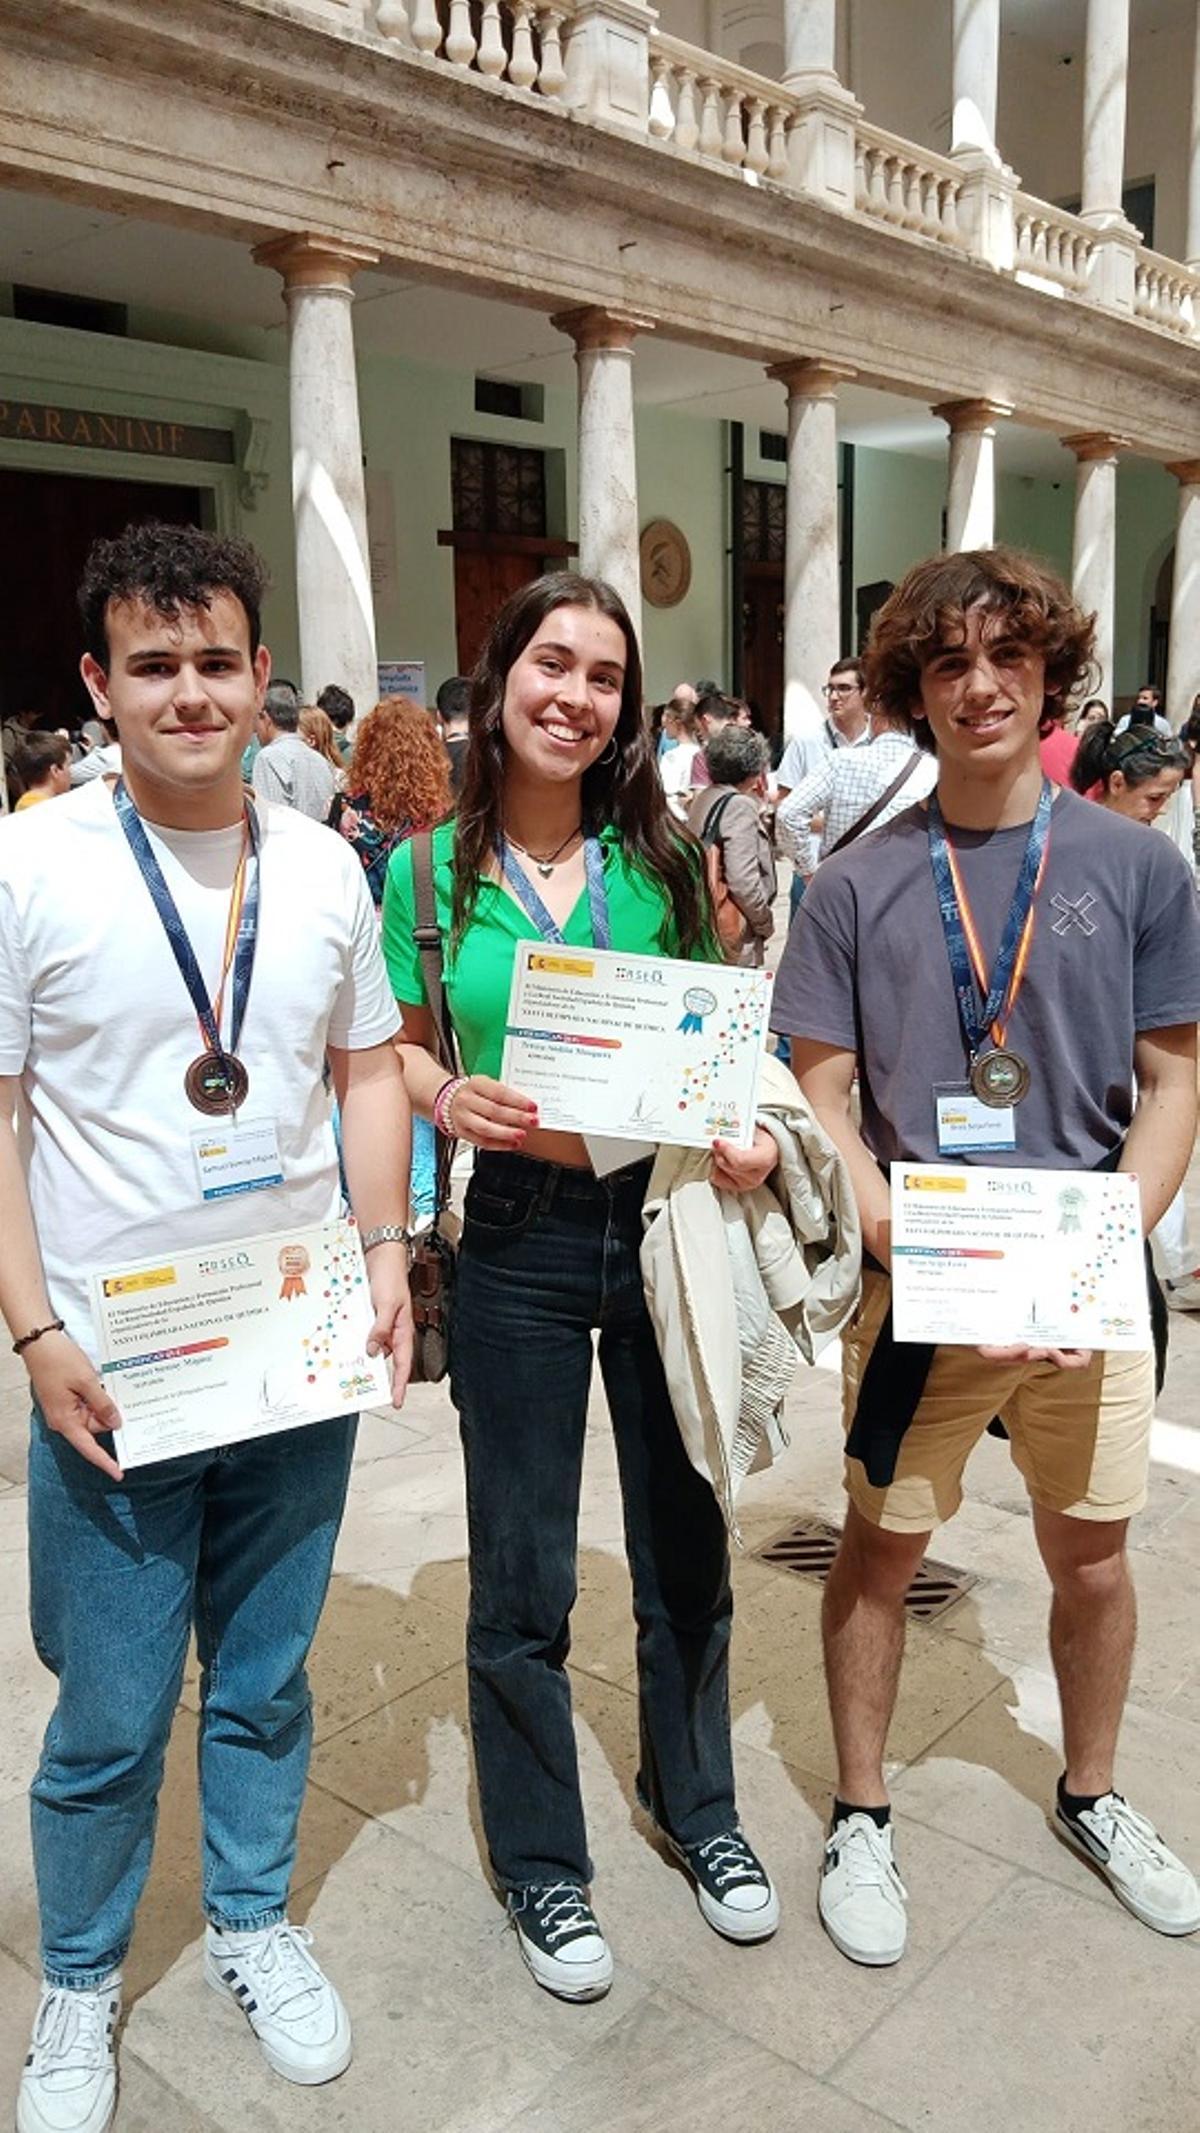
(1075, 1803)
(880, 1816)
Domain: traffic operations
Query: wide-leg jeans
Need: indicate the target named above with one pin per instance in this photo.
(549, 1254)
(238, 1543)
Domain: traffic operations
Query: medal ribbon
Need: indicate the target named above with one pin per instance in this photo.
(531, 902)
(241, 928)
(967, 967)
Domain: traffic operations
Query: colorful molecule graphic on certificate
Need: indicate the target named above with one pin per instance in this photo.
(636, 1047)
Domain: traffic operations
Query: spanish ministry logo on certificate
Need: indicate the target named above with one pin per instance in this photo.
(636, 1047)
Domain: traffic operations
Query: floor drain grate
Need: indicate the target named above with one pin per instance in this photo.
(810, 1545)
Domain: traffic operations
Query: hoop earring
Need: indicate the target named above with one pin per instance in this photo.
(605, 758)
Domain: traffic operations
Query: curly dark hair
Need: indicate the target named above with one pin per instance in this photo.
(625, 791)
(168, 568)
(926, 615)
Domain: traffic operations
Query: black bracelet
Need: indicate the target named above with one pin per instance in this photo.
(57, 1325)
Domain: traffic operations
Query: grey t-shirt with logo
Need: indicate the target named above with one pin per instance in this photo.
(1116, 950)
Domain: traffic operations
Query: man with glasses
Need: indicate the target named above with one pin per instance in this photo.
(846, 725)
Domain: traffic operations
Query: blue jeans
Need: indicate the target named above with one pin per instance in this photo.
(240, 1544)
(423, 1183)
(547, 1255)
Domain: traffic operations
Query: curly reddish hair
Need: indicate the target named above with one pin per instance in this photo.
(926, 615)
(400, 763)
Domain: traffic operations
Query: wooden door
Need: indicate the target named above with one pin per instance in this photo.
(484, 578)
(762, 645)
(47, 525)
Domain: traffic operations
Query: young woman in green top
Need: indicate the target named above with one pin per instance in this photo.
(562, 830)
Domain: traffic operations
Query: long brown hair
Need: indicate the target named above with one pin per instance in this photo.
(625, 790)
(400, 764)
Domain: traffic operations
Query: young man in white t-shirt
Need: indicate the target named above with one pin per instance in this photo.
(99, 1039)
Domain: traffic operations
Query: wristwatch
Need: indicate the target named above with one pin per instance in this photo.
(387, 1233)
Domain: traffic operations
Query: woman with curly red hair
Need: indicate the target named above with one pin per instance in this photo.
(398, 782)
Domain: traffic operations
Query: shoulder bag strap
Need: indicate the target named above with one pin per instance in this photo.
(428, 936)
(877, 806)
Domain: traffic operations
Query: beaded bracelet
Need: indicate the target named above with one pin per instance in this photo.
(27, 1339)
(443, 1104)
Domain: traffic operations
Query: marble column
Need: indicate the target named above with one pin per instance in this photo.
(1105, 81)
(333, 578)
(1183, 652)
(1094, 551)
(608, 505)
(971, 485)
(809, 40)
(812, 589)
(976, 76)
(1191, 246)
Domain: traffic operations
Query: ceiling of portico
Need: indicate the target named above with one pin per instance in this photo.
(236, 306)
(1059, 24)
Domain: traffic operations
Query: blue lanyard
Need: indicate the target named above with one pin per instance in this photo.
(176, 932)
(523, 889)
(978, 1019)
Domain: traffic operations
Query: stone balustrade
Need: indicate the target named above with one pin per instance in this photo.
(1052, 245)
(1165, 294)
(707, 106)
(697, 104)
(519, 41)
(911, 188)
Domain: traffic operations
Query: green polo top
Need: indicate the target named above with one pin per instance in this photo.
(477, 978)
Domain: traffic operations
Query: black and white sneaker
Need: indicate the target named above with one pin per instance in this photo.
(69, 2082)
(294, 2011)
(560, 1940)
(733, 1887)
(1148, 1878)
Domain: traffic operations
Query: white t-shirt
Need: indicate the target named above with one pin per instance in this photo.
(95, 1017)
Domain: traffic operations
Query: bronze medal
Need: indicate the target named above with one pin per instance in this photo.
(1000, 1078)
(216, 1083)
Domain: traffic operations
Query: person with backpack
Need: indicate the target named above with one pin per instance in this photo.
(731, 820)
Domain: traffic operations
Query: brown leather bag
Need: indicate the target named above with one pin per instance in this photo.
(435, 1251)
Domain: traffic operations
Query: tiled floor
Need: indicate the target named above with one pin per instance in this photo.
(1027, 2000)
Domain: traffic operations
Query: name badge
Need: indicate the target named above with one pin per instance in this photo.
(966, 1126)
(236, 1155)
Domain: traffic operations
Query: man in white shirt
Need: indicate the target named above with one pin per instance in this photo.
(879, 779)
(286, 770)
(846, 726)
(101, 904)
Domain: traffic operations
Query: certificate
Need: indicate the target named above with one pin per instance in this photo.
(204, 1348)
(636, 1047)
(1040, 1258)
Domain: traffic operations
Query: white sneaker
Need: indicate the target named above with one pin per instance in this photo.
(1183, 1294)
(69, 2083)
(1149, 1880)
(861, 1897)
(560, 1940)
(286, 1997)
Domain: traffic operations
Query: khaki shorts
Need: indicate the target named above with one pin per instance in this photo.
(1081, 1438)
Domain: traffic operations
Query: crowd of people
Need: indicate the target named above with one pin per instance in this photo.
(254, 869)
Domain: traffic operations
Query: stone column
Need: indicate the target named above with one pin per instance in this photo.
(976, 76)
(1183, 652)
(971, 487)
(809, 40)
(1191, 247)
(812, 591)
(1094, 552)
(608, 506)
(333, 579)
(1105, 79)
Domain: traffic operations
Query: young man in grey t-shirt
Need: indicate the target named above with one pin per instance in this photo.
(1100, 1026)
